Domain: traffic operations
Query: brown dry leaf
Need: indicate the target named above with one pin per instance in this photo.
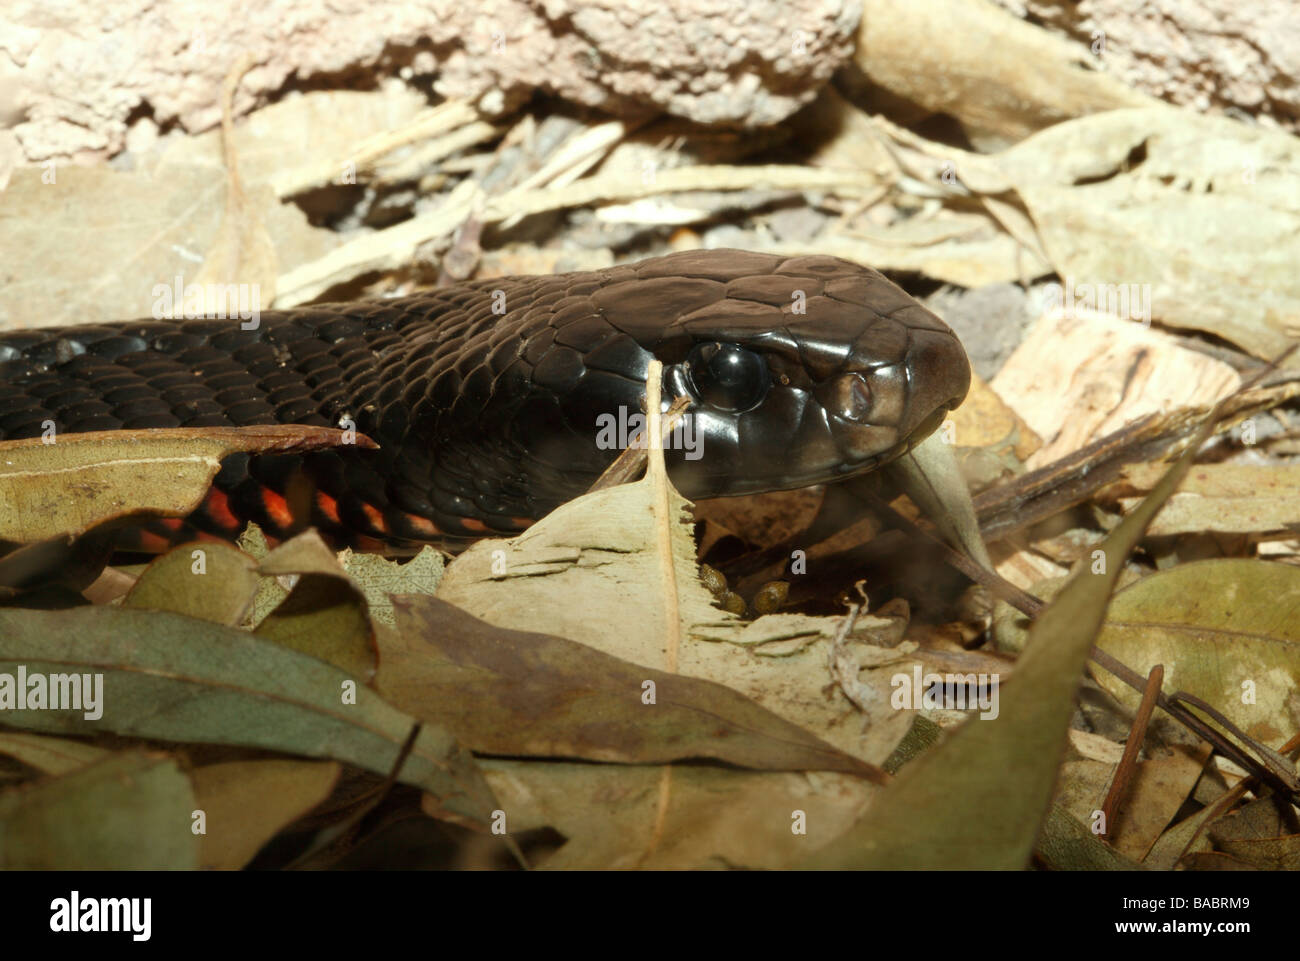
(984, 419)
(63, 273)
(127, 811)
(1202, 208)
(1081, 787)
(306, 553)
(1076, 378)
(378, 578)
(1181, 839)
(525, 694)
(1258, 835)
(1226, 631)
(1233, 498)
(80, 480)
(1158, 789)
(212, 581)
(715, 817)
(325, 614)
(246, 803)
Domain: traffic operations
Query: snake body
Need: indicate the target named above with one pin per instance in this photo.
(486, 398)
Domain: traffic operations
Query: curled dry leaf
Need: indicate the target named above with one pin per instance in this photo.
(1202, 208)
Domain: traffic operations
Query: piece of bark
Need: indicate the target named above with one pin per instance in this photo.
(1077, 378)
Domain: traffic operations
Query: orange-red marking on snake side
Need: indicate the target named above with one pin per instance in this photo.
(375, 517)
(277, 508)
(218, 508)
(328, 506)
(426, 527)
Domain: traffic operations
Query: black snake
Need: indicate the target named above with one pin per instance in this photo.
(487, 399)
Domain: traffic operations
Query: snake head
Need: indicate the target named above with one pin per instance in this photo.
(800, 371)
(810, 370)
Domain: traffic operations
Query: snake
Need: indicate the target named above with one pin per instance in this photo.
(496, 400)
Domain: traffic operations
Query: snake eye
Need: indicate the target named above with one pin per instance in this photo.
(727, 376)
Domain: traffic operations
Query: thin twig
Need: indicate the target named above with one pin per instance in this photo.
(1119, 784)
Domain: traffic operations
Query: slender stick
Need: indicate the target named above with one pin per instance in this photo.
(1128, 763)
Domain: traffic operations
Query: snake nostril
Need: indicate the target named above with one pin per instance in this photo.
(852, 398)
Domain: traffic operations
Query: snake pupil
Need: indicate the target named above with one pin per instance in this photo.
(727, 376)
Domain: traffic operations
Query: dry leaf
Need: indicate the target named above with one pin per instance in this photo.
(525, 694)
(129, 811)
(212, 581)
(715, 818)
(1202, 208)
(1232, 498)
(246, 803)
(1227, 631)
(169, 677)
